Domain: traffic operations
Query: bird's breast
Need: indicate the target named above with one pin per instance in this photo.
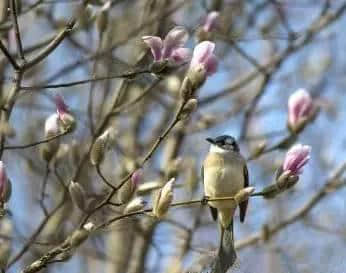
(223, 176)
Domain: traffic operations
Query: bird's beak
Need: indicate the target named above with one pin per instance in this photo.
(210, 140)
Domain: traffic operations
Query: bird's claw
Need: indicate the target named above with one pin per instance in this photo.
(205, 200)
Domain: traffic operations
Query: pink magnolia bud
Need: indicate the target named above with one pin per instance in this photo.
(300, 107)
(171, 48)
(127, 191)
(67, 120)
(61, 107)
(3, 178)
(296, 158)
(137, 177)
(204, 58)
(211, 21)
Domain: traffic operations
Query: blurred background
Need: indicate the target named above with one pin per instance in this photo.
(266, 50)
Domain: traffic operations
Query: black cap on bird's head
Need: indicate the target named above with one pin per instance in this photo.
(225, 142)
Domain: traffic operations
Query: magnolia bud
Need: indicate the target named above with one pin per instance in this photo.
(3, 10)
(51, 126)
(300, 110)
(99, 148)
(243, 194)
(186, 90)
(295, 159)
(148, 187)
(49, 149)
(8, 192)
(197, 76)
(135, 204)
(78, 195)
(203, 63)
(189, 108)
(51, 129)
(127, 191)
(5, 185)
(163, 199)
(258, 150)
(286, 180)
(68, 122)
(80, 235)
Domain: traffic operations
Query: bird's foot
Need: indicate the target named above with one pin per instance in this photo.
(205, 200)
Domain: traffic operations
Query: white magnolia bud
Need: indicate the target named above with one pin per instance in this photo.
(244, 194)
(186, 90)
(78, 195)
(135, 204)
(80, 235)
(163, 199)
(189, 108)
(148, 186)
(51, 126)
(98, 149)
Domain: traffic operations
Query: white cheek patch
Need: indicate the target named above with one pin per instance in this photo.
(216, 149)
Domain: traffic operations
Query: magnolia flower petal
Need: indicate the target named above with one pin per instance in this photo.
(296, 158)
(60, 104)
(211, 65)
(155, 44)
(175, 38)
(181, 55)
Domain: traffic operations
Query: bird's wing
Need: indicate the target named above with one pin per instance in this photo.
(212, 210)
(243, 205)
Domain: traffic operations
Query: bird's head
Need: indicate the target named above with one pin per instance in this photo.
(223, 143)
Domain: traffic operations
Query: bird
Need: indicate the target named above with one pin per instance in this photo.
(224, 174)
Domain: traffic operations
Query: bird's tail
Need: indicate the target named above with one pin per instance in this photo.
(226, 234)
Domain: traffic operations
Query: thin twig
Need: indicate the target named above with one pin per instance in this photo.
(43, 190)
(25, 146)
(51, 46)
(8, 56)
(16, 29)
(94, 79)
(98, 170)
